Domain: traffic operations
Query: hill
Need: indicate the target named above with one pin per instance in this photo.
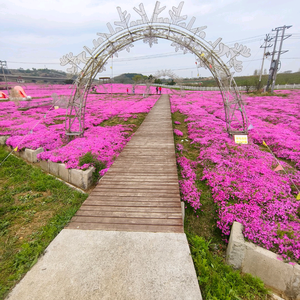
(126, 78)
(38, 72)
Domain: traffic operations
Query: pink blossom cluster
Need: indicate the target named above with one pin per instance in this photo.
(40, 124)
(276, 121)
(242, 178)
(178, 132)
(187, 185)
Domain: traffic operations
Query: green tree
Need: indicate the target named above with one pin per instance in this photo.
(172, 82)
(137, 78)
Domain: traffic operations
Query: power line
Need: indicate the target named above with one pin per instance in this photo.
(260, 36)
(35, 63)
(246, 40)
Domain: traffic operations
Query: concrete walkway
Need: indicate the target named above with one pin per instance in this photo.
(127, 240)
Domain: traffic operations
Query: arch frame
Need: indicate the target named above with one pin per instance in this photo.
(183, 37)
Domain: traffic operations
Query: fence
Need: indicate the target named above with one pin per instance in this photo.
(240, 88)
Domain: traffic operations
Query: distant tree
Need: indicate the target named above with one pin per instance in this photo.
(157, 81)
(255, 73)
(68, 81)
(247, 85)
(137, 78)
(172, 82)
(265, 72)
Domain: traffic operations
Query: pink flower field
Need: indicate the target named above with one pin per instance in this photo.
(42, 125)
(244, 183)
(245, 186)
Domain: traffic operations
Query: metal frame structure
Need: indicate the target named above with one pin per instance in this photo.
(183, 35)
(3, 65)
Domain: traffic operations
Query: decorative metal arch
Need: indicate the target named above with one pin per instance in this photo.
(184, 36)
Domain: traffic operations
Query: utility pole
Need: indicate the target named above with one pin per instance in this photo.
(3, 65)
(267, 39)
(275, 61)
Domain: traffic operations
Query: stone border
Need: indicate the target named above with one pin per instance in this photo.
(80, 178)
(3, 139)
(250, 258)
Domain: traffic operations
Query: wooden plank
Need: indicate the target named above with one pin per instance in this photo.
(141, 171)
(144, 177)
(149, 146)
(135, 194)
(149, 152)
(135, 214)
(117, 188)
(137, 185)
(124, 220)
(132, 208)
(134, 198)
(126, 227)
(145, 166)
(132, 181)
(166, 204)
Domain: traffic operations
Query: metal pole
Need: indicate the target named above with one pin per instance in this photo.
(111, 78)
(277, 61)
(271, 71)
(3, 63)
(262, 64)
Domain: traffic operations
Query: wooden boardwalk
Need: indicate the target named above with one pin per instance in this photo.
(140, 191)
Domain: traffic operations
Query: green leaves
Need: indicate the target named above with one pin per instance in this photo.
(32, 212)
(219, 281)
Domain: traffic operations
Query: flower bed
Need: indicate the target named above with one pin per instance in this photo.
(43, 126)
(244, 185)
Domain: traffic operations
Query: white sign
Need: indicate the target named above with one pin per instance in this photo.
(241, 139)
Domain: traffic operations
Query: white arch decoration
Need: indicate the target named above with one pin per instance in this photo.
(184, 36)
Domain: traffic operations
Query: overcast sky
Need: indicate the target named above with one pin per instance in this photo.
(36, 34)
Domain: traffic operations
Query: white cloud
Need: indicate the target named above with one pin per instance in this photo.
(46, 30)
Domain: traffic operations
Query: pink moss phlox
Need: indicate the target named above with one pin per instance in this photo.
(242, 178)
(38, 124)
(178, 132)
(187, 185)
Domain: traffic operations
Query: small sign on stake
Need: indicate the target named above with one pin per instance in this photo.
(241, 138)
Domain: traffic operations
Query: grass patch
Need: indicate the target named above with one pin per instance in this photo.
(219, 281)
(266, 94)
(34, 208)
(91, 159)
(133, 122)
